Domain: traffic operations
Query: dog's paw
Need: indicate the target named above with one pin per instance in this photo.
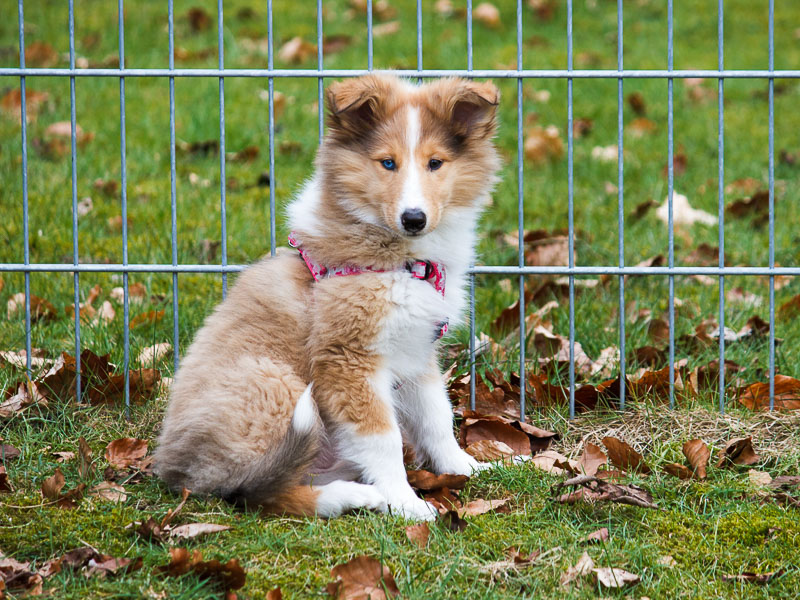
(415, 510)
(368, 496)
(340, 497)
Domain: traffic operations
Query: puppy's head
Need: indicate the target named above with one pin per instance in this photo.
(401, 156)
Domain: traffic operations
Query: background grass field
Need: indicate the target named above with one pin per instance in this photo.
(706, 527)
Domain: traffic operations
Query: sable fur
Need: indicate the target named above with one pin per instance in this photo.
(228, 428)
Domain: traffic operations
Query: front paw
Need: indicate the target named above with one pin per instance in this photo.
(414, 510)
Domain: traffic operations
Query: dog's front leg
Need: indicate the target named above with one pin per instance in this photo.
(427, 417)
(367, 434)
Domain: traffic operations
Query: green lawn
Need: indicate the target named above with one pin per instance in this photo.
(710, 528)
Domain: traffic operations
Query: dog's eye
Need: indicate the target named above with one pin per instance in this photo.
(434, 164)
(388, 164)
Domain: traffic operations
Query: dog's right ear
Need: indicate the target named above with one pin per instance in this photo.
(355, 105)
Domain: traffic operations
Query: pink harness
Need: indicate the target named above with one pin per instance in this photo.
(424, 270)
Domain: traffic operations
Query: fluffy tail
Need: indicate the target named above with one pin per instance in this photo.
(271, 481)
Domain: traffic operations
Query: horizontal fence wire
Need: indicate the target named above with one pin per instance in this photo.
(414, 73)
(520, 74)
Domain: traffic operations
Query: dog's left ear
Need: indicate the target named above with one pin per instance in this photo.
(473, 108)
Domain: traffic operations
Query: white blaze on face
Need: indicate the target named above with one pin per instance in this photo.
(411, 196)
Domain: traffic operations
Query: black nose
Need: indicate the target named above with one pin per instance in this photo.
(413, 220)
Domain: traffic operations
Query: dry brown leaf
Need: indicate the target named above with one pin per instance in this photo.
(40, 54)
(5, 484)
(497, 429)
(385, 29)
(107, 490)
(582, 568)
(489, 450)
(787, 394)
(513, 561)
(362, 578)
(20, 359)
(193, 530)
(594, 489)
(230, 575)
(790, 309)
(610, 577)
(8, 452)
(104, 565)
(679, 164)
(756, 204)
(738, 452)
(381, 9)
(418, 534)
(11, 104)
(683, 213)
(85, 465)
(680, 471)
(153, 354)
(171, 514)
(624, 456)
(759, 478)
(581, 127)
(148, 318)
(487, 14)
(444, 8)
(124, 452)
(748, 577)
(297, 50)
(63, 456)
(427, 481)
(481, 506)
(552, 462)
(40, 308)
(641, 127)
(16, 576)
(543, 144)
(28, 393)
(596, 537)
(199, 19)
(591, 459)
(637, 103)
(52, 486)
(274, 594)
(697, 453)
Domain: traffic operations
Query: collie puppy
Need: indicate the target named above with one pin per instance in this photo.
(297, 393)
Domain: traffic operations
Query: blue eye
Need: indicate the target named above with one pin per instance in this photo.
(434, 164)
(388, 164)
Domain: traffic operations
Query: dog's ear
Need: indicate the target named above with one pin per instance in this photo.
(354, 106)
(472, 107)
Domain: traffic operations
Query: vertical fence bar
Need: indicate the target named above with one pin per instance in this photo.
(271, 117)
(670, 225)
(126, 349)
(721, 207)
(472, 275)
(75, 258)
(520, 220)
(623, 378)
(25, 233)
(771, 205)
(173, 189)
(222, 182)
(419, 38)
(369, 35)
(320, 66)
(570, 217)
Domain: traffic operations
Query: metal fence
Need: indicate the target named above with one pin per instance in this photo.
(521, 270)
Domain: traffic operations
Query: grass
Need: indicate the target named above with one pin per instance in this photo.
(709, 528)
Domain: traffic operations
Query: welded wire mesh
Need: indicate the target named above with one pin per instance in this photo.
(521, 270)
